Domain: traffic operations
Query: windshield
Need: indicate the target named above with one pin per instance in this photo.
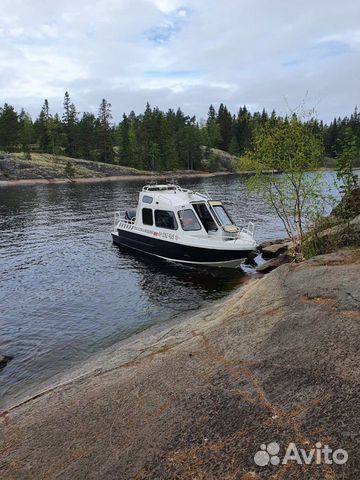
(205, 217)
(221, 214)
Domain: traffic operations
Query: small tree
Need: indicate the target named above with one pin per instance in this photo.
(69, 170)
(284, 154)
(349, 151)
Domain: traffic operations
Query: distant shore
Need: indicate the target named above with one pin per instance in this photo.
(46, 169)
(114, 178)
(127, 178)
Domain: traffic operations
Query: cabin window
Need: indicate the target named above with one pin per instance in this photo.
(188, 221)
(147, 216)
(205, 217)
(222, 215)
(165, 219)
(147, 199)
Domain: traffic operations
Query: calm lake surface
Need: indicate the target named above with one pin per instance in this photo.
(66, 292)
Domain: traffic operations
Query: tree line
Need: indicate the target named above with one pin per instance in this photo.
(153, 140)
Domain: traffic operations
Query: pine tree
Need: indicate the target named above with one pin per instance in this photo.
(234, 148)
(168, 154)
(224, 120)
(55, 132)
(349, 152)
(26, 133)
(146, 130)
(331, 138)
(42, 125)
(86, 136)
(244, 130)
(70, 120)
(214, 139)
(9, 128)
(125, 153)
(105, 138)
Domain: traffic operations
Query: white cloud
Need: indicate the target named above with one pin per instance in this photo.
(186, 53)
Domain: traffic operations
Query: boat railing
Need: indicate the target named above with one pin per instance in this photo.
(249, 230)
(202, 195)
(119, 216)
(164, 187)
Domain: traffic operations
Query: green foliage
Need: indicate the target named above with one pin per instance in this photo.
(245, 128)
(69, 170)
(234, 148)
(245, 163)
(9, 128)
(155, 139)
(345, 170)
(104, 132)
(86, 137)
(225, 121)
(69, 126)
(316, 241)
(26, 133)
(124, 143)
(44, 127)
(284, 157)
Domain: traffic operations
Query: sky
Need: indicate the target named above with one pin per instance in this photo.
(272, 54)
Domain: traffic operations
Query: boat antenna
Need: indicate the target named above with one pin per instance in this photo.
(208, 195)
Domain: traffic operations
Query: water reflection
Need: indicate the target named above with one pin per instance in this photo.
(66, 291)
(190, 281)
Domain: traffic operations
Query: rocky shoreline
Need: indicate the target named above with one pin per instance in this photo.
(114, 178)
(45, 169)
(277, 361)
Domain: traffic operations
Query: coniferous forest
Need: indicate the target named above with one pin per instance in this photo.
(154, 140)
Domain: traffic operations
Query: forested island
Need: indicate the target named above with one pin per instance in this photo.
(155, 140)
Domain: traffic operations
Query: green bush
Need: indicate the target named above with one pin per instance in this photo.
(69, 170)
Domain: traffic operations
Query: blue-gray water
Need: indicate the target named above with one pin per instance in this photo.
(67, 292)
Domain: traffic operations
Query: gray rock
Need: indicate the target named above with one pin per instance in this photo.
(274, 263)
(275, 249)
(251, 259)
(278, 360)
(4, 360)
(267, 243)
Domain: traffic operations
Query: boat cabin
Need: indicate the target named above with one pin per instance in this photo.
(173, 208)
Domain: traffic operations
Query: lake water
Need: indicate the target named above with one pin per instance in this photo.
(67, 292)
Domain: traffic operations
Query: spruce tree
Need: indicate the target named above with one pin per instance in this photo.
(125, 154)
(43, 128)
(26, 133)
(9, 128)
(70, 120)
(224, 120)
(244, 130)
(86, 136)
(214, 139)
(105, 138)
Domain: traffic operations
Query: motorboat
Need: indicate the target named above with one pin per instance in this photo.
(181, 225)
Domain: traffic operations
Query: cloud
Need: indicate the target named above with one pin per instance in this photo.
(172, 23)
(186, 53)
